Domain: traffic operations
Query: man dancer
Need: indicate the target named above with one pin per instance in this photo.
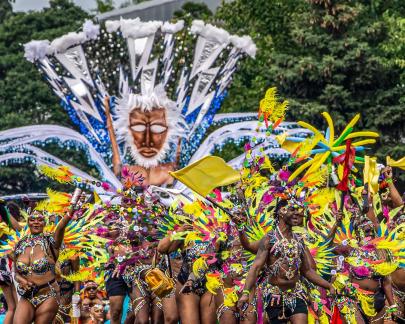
(286, 259)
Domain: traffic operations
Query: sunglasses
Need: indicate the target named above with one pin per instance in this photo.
(91, 288)
(36, 217)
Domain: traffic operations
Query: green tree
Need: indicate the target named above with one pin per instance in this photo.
(25, 98)
(192, 10)
(5, 9)
(104, 5)
(324, 56)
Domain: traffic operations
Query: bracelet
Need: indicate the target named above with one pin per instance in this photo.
(392, 308)
(388, 180)
(245, 292)
(241, 228)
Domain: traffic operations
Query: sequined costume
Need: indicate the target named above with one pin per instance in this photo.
(6, 276)
(189, 255)
(38, 294)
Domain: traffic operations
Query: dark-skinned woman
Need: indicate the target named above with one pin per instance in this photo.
(34, 257)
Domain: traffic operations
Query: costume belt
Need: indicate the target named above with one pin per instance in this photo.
(287, 298)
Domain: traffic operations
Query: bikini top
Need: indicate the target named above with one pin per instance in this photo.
(190, 254)
(361, 264)
(38, 267)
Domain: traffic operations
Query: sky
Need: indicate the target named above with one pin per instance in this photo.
(25, 5)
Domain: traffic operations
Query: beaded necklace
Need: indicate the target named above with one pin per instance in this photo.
(32, 240)
(288, 252)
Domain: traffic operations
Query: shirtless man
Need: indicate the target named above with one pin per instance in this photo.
(286, 259)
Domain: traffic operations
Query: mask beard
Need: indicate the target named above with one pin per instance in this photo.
(148, 162)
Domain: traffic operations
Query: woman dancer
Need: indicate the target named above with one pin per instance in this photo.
(195, 303)
(35, 256)
(6, 264)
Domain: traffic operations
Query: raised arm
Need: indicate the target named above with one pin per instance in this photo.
(252, 247)
(76, 268)
(167, 245)
(395, 196)
(338, 217)
(239, 219)
(60, 229)
(258, 264)
(5, 214)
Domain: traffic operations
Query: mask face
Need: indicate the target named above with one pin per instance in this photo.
(149, 131)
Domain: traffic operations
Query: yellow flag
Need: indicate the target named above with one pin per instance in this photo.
(371, 173)
(396, 164)
(286, 144)
(206, 174)
(97, 199)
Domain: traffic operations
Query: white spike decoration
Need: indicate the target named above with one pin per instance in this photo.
(190, 97)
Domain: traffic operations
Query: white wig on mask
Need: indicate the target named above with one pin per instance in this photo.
(157, 99)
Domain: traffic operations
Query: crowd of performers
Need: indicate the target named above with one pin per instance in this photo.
(281, 245)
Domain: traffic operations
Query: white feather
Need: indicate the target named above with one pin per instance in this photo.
(112, 25)
(91, 30)
(61, 44)
(172, 28)
(244, 43)
(36, 50)
(197, 26)
(210, 32)
(135, 28)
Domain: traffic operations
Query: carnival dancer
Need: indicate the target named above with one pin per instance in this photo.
(391, 201)
(287, 259)
(171, 264)
(35, 256)
(365, 267)
(193, 299)
(132, 233)
(8, 213)
(66, 290)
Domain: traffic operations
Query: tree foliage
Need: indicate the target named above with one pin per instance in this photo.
(25, 98)
(191, 10)
(104, 5)
(335, 56)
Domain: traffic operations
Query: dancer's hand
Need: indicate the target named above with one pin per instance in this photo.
(116, 273)
(239, 216)
(338, 216)
(187, 288)
(25, 284)
(387, 171)
(332, 290)
(185, 228)
(243, 303)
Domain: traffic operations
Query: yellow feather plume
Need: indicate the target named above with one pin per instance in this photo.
(385, 268)
(82, 275)
(68, 254)
(199, 266)
(230, 297)
(213, 282)
(61, 174)
(367, 304)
